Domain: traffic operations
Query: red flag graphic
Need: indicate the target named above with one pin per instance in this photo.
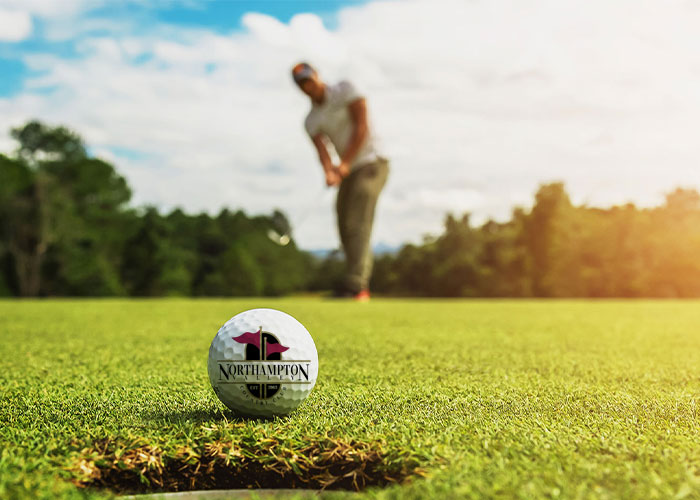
(249, 338)
(274, 348)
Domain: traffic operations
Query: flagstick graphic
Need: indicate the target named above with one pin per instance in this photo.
(263, 387)
(256, 339)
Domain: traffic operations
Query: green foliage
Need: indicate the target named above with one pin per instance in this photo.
(39, 142)
(61, 213)
(17, 215)
(493, 399)
(66, 229)
(557, 250)
(150, 265)
(240, 272)
(327, 273)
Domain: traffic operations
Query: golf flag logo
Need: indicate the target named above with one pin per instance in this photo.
(256, 339)
(249, 338)
(261, 346)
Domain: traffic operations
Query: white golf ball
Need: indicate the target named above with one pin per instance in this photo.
(262, 362)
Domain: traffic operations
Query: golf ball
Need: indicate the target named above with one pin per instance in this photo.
(262, 362)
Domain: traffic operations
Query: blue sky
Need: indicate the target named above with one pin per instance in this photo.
(218, 14)
(476, 103)
(221, 16)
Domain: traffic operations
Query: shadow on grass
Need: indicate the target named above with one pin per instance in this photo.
(203, 416)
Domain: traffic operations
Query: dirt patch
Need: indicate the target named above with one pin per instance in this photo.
(327, 464)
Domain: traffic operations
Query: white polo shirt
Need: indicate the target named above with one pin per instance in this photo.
(333, 119)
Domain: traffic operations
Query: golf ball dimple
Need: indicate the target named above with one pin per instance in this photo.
(262, 362)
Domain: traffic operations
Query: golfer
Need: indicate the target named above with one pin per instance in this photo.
(338, 117)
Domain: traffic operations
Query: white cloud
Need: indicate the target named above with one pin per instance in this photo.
(15, 25)
(267, 29)
(477, 103)
(61, 18)
(49, 8)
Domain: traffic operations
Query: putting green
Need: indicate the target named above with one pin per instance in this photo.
(470, 399)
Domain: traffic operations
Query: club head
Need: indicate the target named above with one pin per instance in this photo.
(280, 239)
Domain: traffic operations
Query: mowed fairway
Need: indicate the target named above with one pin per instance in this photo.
(489, 399)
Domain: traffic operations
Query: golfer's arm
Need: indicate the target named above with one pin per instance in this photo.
(323, 155)
(358, 114)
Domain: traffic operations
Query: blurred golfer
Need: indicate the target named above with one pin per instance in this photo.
(338, 117)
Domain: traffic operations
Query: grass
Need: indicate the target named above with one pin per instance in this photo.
(489, 399)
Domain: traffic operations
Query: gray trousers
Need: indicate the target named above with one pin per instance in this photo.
(357, 199)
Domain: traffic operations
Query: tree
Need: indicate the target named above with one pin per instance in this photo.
(25, 214)
(675, 246)
(20, 251)
(152, 265)
(546, 231)
(66, 226)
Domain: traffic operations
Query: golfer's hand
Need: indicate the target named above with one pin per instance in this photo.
(332, 177)
(343, 169)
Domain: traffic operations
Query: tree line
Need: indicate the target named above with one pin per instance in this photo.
(67, 229)
(557, 249)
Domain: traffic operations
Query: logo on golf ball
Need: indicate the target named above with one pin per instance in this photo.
(264, 366)
(262, 362)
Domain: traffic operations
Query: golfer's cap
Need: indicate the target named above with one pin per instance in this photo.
(302, 71)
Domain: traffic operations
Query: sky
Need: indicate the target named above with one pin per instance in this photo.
(476, 102)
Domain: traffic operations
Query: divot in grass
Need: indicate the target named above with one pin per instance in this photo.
(335, 464)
